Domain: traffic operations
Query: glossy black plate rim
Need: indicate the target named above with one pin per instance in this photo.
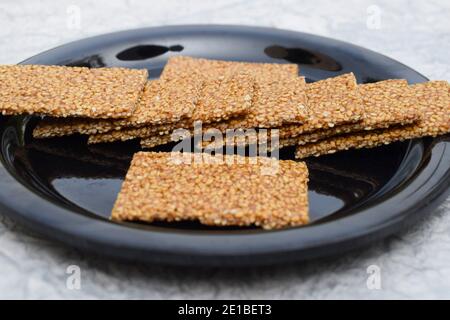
(184, 248)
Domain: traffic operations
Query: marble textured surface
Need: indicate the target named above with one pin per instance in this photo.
(413, 264)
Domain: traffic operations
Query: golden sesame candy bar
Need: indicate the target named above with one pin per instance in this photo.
(130, 133)
(175, 187)
(50, 127)
(330, 102)
(70, 91)
(195, 67)
(275, 102)
(224, 97)
(154, 141)
(433, 105)
(387, 102)
(56, 127)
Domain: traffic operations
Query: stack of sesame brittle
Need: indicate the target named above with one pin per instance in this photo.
(431, 101)
(236, 104)
(223, 96)
(189, 89)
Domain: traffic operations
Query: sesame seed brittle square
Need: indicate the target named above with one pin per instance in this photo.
(70, 91)
(228, 191)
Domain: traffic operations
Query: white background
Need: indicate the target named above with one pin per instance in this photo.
(413, 264)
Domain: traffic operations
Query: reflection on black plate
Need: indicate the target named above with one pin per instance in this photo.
(65, 188)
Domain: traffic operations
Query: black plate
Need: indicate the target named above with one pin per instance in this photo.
(65, 189)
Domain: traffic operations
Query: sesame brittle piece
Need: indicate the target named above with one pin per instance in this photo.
(183, 186)
(330, 102)
(61, 91)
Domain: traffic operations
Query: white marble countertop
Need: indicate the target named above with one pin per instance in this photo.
(412, 264)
